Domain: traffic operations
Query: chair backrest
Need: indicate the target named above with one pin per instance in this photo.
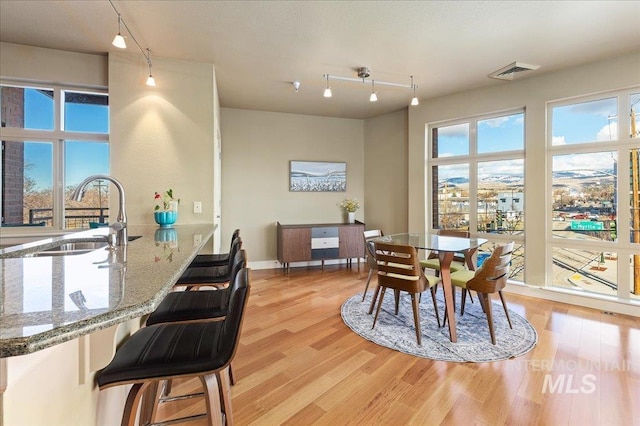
(370, 248)
(373, 233)
(459, 257)
(236, 246)
(399, 268)
(232, 324)
(239, 263)
(234, 236)
(493, 274)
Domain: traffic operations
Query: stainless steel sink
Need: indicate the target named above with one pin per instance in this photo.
(63, 248)
(69, 248)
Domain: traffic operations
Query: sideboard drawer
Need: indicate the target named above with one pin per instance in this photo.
(323, 243)
(324, 232)
(328, 253)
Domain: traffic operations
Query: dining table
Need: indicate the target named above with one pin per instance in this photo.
(446, 247)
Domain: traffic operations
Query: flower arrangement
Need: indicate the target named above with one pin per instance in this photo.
(350, 204)
(163, 202)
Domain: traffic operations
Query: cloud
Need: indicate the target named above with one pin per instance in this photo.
(455, 131)
(604, 107)
(591, 161)
(558, 140)
(496, 122)
(608, 132)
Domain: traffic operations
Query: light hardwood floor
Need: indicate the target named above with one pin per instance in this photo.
(298, 364)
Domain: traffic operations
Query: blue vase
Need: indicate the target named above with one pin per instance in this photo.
(165, 218)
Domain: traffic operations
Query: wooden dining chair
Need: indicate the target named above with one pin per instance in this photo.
(399, 269)
(459, 261)
(370, 253)
(490, 278)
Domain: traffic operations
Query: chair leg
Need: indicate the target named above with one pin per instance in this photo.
(506, 311)
(131, 405)
(416, 317)
(373, 300)
(149, 405)
(225, 394)
(396, 295)
(435, 304)
(487, 304)
(366, 287)
(212, 399)
(375, 318)
(464, 299)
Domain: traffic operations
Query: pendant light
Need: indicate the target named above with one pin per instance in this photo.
(150, 80)
(373, 97)
(414, 100)
(327, 91)
(118, 40)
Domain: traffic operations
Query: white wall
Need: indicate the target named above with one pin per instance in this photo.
(52, 66)
(386, 164)
(256, 149)
(162, 137)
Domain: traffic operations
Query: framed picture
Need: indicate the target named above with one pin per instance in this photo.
(317, 176)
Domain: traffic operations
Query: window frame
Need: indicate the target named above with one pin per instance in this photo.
(57, 137)
(472, 159)
(623, 247)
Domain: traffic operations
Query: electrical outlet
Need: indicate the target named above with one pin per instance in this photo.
(197, 207)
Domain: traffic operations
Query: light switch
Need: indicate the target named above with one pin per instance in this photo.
(197, 207)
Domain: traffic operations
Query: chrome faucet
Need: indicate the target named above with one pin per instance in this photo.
(120, 227)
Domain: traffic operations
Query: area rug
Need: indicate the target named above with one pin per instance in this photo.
(474, 342)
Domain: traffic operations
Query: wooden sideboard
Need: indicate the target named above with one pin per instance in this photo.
(304, 243)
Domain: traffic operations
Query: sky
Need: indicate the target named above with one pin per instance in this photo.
(81, 159)
(584, 122)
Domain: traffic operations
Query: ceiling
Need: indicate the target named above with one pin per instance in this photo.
(260, 47)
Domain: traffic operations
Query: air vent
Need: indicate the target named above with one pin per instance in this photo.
(508, 72)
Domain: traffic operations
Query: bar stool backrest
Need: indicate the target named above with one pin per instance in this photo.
(236, 245)
(230, 333)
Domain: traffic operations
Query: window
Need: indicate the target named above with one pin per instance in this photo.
(47, 150)
(476, 179)
(594, 176)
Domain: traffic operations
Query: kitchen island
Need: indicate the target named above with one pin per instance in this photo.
(63, 312)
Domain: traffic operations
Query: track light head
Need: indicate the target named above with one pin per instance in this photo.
(118, 40)
(327, 91)
(374, 96)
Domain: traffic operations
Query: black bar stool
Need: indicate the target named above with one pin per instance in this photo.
(184, 306)
(221, 259)
(168, 351)
(210, 276)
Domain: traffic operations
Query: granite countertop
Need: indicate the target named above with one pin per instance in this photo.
(50, 299)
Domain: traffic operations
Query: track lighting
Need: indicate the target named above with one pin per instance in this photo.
(363, 73)
(414, 100)
(118, 41)
(327, 91)
(373, 97)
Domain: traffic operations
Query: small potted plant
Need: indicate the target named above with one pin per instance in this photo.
(166, 208)
(350, 205)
